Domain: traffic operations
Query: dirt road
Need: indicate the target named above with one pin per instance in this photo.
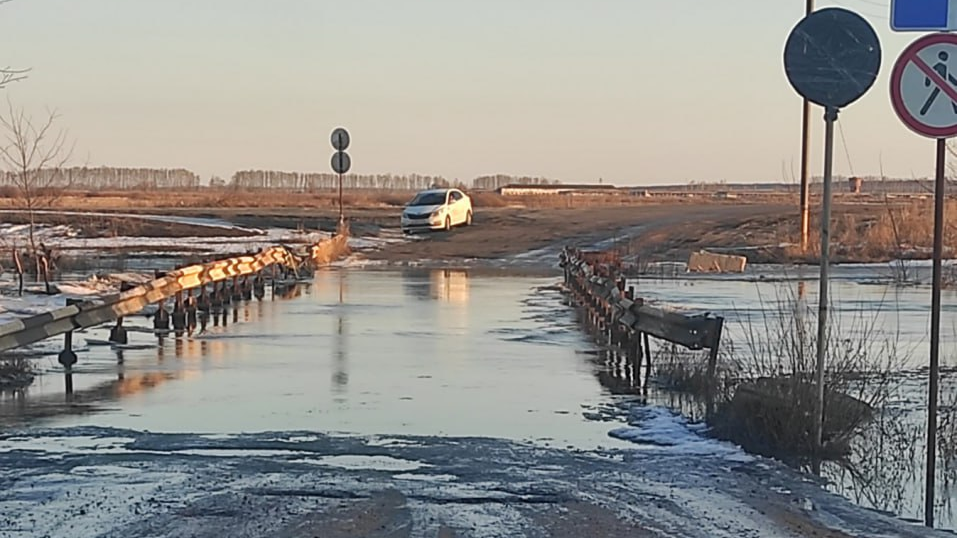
(653, 231)
(87, 481)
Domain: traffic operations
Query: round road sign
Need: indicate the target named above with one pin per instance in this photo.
(341, 163)
(924, 86)
(832, 57)
(340, 139)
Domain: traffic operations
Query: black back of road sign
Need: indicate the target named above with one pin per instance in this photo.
(832, 57)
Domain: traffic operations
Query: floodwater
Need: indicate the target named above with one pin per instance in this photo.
(454, 352)
(883, 320)
(418, 352)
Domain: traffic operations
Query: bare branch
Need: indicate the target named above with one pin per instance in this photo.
(8, 74)
(33, 155)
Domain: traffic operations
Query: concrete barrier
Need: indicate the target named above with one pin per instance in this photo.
(709, 262)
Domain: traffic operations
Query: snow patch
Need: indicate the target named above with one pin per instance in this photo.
(660, 429)
(369, 463)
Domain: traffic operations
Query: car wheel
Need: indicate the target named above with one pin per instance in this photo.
(448, 223)
(468, 218)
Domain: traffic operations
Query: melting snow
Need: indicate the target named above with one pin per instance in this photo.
(660, 429)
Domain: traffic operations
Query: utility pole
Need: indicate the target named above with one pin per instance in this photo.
(805, 151)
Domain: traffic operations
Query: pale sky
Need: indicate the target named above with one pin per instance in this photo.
(632, 91)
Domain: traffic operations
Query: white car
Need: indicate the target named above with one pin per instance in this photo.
(437, 209)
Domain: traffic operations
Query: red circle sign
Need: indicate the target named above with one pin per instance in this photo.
(938, 84)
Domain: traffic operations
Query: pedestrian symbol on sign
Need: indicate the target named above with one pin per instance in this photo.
(924, 86)
(941, 69)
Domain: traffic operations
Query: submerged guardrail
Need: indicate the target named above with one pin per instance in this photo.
(623, 321)
(234, 278)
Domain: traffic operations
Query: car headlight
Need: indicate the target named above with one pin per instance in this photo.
(436, 213)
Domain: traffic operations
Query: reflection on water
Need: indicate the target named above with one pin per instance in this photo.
(447, 285)
(450, 285)
(340, 376)
(418, 352)
(108, 374)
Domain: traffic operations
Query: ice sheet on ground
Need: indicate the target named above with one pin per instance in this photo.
(660, 429)
(88, 481)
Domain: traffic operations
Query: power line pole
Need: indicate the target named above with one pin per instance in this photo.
(805, 152)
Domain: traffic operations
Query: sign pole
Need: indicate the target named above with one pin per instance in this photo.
(925, 99)
(805, 156)
(832, 58)
(939, 193)
(830, 116)
(341, 162)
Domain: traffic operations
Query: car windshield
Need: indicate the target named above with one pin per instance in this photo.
(428, 198)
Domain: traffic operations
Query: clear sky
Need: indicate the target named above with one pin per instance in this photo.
(632, 91)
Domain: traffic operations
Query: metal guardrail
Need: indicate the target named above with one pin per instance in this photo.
(83, 314)
(623, 321)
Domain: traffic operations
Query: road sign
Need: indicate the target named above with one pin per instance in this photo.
(923, 15)
(340, 139)
(832, 57)
(924, 86)
(341, 162)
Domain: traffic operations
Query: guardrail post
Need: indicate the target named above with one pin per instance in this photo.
(217, 297)
(118, 333)
(713, 364)
(179, 314)
(275, 271)
(237, 290)
(190, 311)
(259, 286)
(67, 357)
(247, 289)
(202, 304)
(161, 319)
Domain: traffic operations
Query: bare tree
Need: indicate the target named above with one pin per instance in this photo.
(34, 154)
(9, 74)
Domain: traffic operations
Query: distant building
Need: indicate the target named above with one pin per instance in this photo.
(855, 184)
(572, 190)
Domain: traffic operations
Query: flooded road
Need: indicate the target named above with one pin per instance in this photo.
(416, 352)
(451, 392)
(888, 324)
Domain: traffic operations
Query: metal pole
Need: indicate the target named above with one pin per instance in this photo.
(830, 116)
(340, 197)
(930, 481)
(805, 153)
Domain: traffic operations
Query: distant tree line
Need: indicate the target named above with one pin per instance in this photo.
(500, 180)
(107, 178)
(304, 181)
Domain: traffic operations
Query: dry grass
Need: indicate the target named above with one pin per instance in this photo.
(884, 232)
(328, 198)
(16, 372)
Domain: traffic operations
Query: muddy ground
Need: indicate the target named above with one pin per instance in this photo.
(663, 231)
(106, 482)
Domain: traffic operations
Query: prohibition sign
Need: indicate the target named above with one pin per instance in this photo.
(924, 86)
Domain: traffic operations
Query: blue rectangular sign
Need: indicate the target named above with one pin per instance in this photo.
(921, 15)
